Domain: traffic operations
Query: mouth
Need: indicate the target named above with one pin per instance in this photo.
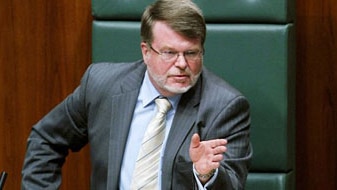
(180, 78)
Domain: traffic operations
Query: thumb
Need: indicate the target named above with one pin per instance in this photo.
(195, 141)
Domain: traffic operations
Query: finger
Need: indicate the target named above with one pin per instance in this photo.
(221, 142)
(214, 165)
(219, 149)
(217, 158)
(217, 142)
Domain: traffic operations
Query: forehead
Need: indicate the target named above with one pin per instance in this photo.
(163, 34)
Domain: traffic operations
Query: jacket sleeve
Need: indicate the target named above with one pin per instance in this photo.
(233, 124)
(61, 130)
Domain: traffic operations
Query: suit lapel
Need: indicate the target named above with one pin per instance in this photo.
(123, 106)
(184, 120)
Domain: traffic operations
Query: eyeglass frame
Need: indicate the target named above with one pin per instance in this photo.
(176, 54)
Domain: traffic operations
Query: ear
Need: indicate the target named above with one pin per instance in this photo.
(145, 51)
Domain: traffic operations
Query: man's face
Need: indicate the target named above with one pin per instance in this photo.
(179, 73)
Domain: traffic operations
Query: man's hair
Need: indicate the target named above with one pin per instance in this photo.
(183, 16)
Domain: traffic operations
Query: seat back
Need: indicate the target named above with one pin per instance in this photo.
(251, 45)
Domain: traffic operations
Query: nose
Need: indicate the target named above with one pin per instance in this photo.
(181, 61)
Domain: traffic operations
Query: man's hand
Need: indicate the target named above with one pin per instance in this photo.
(206, 155)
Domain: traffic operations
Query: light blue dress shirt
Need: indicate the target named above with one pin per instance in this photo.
(144, 111)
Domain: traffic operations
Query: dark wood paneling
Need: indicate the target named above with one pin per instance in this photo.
(45, 48)
(316, 94)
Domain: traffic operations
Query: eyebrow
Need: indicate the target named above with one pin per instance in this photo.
(173, 49)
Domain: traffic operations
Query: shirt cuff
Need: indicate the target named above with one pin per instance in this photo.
(209, 182)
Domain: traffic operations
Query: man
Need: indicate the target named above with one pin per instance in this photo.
(206, 142)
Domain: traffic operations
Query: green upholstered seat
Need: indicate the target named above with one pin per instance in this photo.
(270, 181)
(267, 11)
(257, 58)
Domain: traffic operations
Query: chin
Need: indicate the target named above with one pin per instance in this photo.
(177, 90)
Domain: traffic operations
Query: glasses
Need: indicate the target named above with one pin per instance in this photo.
(171, 56)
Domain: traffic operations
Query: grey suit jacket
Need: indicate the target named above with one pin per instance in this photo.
(99, 113)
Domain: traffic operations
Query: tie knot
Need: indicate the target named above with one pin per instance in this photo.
(163, 105)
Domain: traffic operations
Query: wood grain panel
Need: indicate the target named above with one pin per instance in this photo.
(45, 48)
(316, 94)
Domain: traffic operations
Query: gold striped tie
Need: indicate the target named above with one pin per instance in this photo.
(145, 175)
